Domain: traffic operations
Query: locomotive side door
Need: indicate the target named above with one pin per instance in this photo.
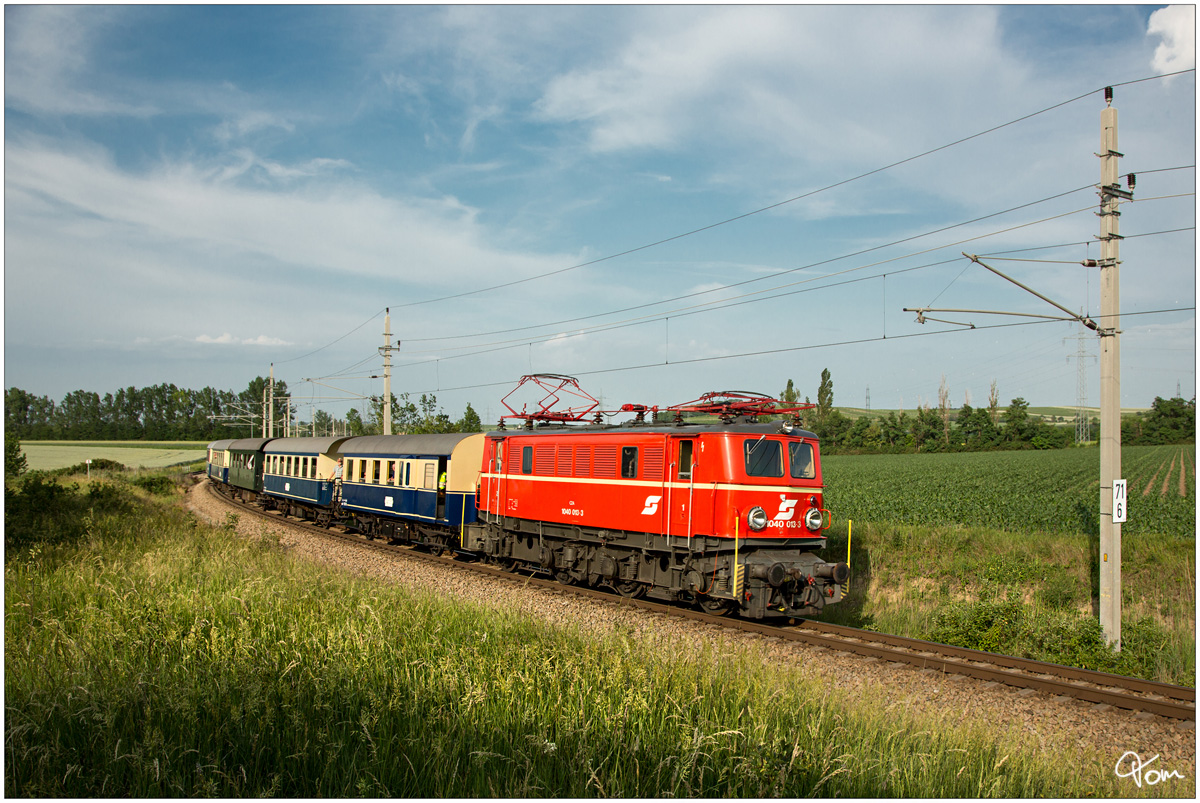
(498, 499)
(680, 479)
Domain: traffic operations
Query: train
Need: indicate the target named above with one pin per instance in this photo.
(724, 515)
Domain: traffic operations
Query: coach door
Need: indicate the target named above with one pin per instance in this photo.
(679, 487)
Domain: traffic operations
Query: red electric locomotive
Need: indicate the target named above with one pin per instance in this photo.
(723, 514)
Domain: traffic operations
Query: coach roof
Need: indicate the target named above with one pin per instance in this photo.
(434, 445)
(303, 445)
(247, 444)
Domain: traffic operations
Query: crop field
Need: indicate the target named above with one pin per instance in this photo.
(1030, 491)
(47, 456)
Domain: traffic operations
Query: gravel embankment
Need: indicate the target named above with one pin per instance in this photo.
(1075, 733)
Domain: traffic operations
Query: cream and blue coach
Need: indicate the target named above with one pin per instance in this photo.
(394, 482)
(218, 460)
(300, 470)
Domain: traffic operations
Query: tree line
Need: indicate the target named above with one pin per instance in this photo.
(165, 412)
(162, 412)
(947, 429)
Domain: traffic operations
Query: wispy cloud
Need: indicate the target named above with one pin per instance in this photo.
(227, 339)
(47, 56)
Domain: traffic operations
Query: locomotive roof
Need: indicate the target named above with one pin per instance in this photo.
(442, 444)
(737, 427)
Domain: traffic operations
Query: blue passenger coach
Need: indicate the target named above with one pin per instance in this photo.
(397, 479)
(301, 469)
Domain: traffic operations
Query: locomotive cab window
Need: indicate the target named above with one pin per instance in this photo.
(526, 459)
(764, 458)
(800, 455)
(629, 462)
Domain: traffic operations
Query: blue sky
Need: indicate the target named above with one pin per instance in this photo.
(194, 193)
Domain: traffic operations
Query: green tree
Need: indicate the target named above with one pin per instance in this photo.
(1016, 422)
(1167, 421)
(790, 396)
(470, 421)
(355, 422)
(15, 462)
(825, 396)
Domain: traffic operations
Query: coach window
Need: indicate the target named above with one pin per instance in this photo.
(526, 459)
(629, 461)
(764, 458)
(685, 459)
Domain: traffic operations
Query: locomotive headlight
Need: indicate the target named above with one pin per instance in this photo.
(786, 427)
(757, 518)
(813, 519)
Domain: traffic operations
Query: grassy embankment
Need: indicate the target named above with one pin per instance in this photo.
(999, 552)
(151, 655)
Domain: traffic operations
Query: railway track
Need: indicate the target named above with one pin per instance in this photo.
(1029, 676)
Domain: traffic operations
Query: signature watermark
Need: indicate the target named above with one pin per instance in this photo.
(1131, 765)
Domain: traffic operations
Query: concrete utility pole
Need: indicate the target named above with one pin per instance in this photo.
(387, 371)
(1114, 502)
(1110, 373)
(271, 406)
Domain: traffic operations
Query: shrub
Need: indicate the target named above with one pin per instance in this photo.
(155, 484)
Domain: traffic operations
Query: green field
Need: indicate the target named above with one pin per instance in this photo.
(50, 455)
(998, 551)
(1027, 491)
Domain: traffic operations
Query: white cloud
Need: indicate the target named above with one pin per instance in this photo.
(1177, 27)
(340, 229)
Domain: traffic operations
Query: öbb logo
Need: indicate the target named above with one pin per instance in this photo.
(787, 509)
(651, 505)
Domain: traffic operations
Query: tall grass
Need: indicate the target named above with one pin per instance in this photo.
(150, 655)
(1030, 595)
